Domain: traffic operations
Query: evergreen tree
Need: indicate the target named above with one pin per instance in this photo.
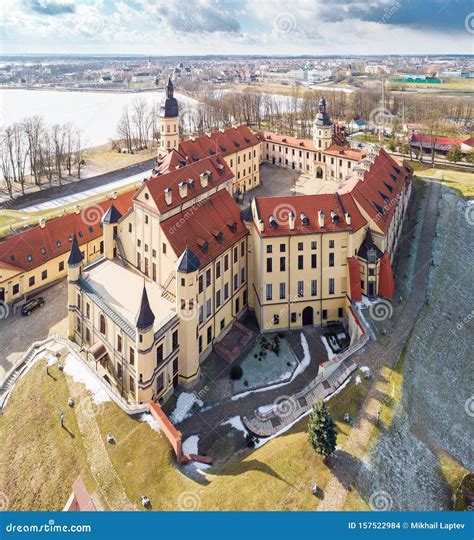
(454, 153)
(322, 430)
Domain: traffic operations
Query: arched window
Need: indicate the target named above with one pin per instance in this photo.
(102, 324)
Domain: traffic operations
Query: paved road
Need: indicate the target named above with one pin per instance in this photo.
(17, 333)
(74, 188)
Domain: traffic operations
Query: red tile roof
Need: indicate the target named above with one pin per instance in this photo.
(378, 192)
(224, 142)
(280, 207)
(294, 142)
(172, 161)
(344, 152)
(426, 139)
(354, 279)
(32, 248)
(217, 166)
(192, 227)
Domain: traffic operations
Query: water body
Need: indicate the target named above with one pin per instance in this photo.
(95, 113)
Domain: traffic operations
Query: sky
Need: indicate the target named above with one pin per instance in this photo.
(241, 27)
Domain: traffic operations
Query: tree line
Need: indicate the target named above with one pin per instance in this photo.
(44, 152)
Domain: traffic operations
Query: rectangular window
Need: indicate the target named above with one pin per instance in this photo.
(222, 325)
(269, 248)
(218, 270)
(331, 285)
(282, 290)
(201, 284)
(208, 308)
(300, 246)
(242, 275)
(300, 288)
(200, 344)
(236, 255)
(331, 243)
(44, 274)
(160, 380)
(340, 313)
(208, 278)
(164, 248)
(16, 288)
(242, 249)
(119, 342)
(132, 384)
(131, 356)
(61, 266)
(129, 227)
(201, 314)
(269, 264)
(269, 291)
(31, 281)
(325, 314)
(218, 298)
(314, 287)
(331, 259)
(159, 354)
(276, 319)
(282, 248)
(314, 245)
(226, 291)
(236, 281)
(209, 335)
(314, 260)
(282, 264)
(300, 262)
(293, 316)
(174, 340)
(226, 263)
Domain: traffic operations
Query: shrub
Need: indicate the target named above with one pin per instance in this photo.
(246, 383)
(236, 373)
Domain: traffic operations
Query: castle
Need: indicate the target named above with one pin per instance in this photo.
(183, 262)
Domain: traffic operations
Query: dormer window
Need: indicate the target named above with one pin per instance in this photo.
(212, 152)
(393, 177)
(236, 144)
(58, 243)
(272, 222)
(79, 234)
(69, 238)
(232, 225)
(389, 187)
(304, 219)
(217, 235)
(29, 258)
(384, 197)
(379, 209)
(247, 140)
(223, 148)
(195, 158)
(43, 251)
(203, 244)
(396, 169)
(334, 217)
(12, 257)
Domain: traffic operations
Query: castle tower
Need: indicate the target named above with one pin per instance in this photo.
(169, 120)
(109, 221)
(322, 128)
(186, 297)
(74, 265)
(144, 324)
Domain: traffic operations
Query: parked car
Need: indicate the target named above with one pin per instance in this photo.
(31, 305)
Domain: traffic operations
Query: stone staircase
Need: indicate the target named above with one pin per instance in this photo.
(169, 288)
(121, 251)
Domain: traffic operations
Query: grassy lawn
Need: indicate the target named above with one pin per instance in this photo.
(463, 182)
(366, 137)
(40, 461)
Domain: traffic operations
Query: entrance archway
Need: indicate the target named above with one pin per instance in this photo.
(308, 315)
(319, 172)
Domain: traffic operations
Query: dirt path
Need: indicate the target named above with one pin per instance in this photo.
(102, 470)
(348, 461)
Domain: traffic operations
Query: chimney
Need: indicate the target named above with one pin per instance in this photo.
(261, 225)
(193, 139)
(348, 218)
(222, 130)
(183, 189)
(77, 209)
(204, 177)
(114, 195)
(42, 222)
(168, 196)
(291, 221)
(321, 218)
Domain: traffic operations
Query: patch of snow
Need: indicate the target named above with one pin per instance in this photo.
(299, 369)
(236, 423)
(52, 361)
(190, 445)
(341, 336)
(148, 418)
(357, 380)
(364, 369)
(183, 407)
(81, 374)
(266, 408)
(365, 302)
(330, 354)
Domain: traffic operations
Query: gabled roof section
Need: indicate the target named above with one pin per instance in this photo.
(112, 215)
(194, 231)
(170, 162)
(188, 262)
(190, 174)
(386, 281)
(36, 246)
(354, 279)
(75, 255)
(368, 247)
(274, 212)
(225, 142)
(145, 317)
